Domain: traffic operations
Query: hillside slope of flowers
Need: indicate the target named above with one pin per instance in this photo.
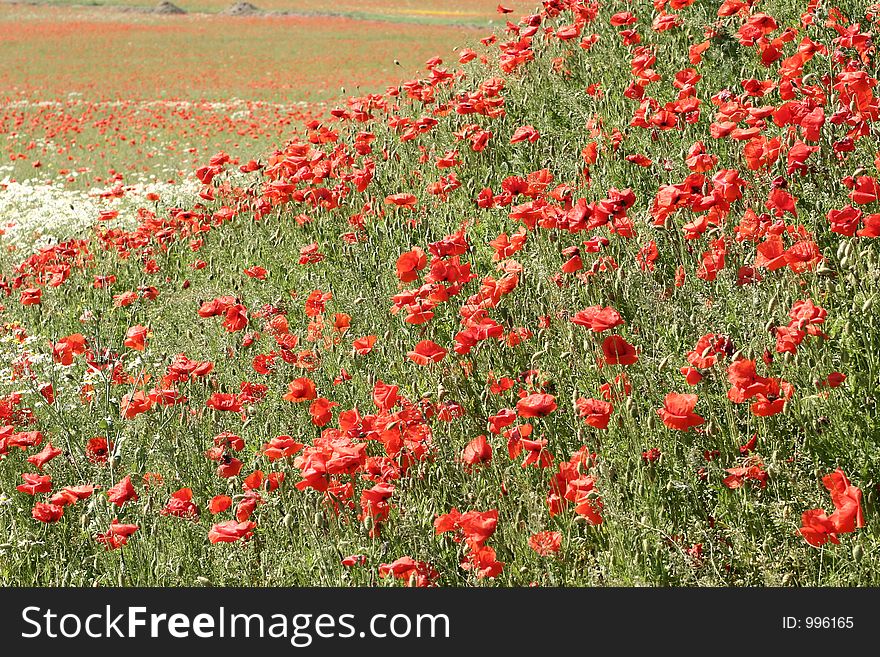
(595, 304)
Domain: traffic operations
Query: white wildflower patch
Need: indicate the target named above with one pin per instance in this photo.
(35, 214)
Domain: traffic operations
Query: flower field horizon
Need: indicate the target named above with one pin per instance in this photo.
(589, 300)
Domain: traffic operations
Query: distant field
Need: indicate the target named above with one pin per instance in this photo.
(479, 12)
(115, 55)
(90, 92)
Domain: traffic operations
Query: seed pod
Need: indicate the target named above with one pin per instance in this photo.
(825, 270)
(857, 552)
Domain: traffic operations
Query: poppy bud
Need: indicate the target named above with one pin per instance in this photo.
(786, 579)
(825, 270)
(857, 553)
(203, 581)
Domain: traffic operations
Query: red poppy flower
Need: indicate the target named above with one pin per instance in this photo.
(136, 336)
(231, 531)
(536, 405)
(354, 560)
(122, 492)
(477, 451)
(219, 504)
(677, 412)
(598, 319)
(414, 573)
(384, 396)
(426, 352)
(224, 401)
(363, 346)
(410, 263)
(321, 412)
(181, 505)
(691, 375)
(45, 455)
(525, 133)
(302, 389)
(257, 272)
(546, 543)
(31, 296)
(618, 351)
(281, 447)
(134, 404)
(47, 512)
(35, 483)
(595, 412)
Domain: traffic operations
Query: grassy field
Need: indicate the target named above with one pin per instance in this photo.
(477, 13)
(94, 89)
(628, 338)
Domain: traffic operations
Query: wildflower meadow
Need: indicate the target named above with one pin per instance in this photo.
(562, 293)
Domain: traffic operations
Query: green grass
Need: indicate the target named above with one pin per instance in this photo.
(654, 515)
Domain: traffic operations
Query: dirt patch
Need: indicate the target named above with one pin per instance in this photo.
(242, 9)
(168, 8)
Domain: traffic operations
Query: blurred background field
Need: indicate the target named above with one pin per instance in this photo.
(96, 94)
